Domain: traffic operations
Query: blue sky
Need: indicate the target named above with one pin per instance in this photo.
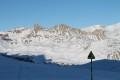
(48, 13)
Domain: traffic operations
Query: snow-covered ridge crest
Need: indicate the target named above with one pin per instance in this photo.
(63, 44)
(93, 28)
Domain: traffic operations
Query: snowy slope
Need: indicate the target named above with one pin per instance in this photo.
(63, 44)
(11, 69)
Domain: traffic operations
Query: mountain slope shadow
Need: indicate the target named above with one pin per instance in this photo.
(105, 65)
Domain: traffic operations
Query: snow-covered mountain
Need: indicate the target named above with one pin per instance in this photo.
(63, 44)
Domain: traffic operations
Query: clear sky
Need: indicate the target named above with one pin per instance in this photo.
(48, 13)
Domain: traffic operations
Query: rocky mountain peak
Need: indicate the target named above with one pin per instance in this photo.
(61, 27)
(37, 26)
